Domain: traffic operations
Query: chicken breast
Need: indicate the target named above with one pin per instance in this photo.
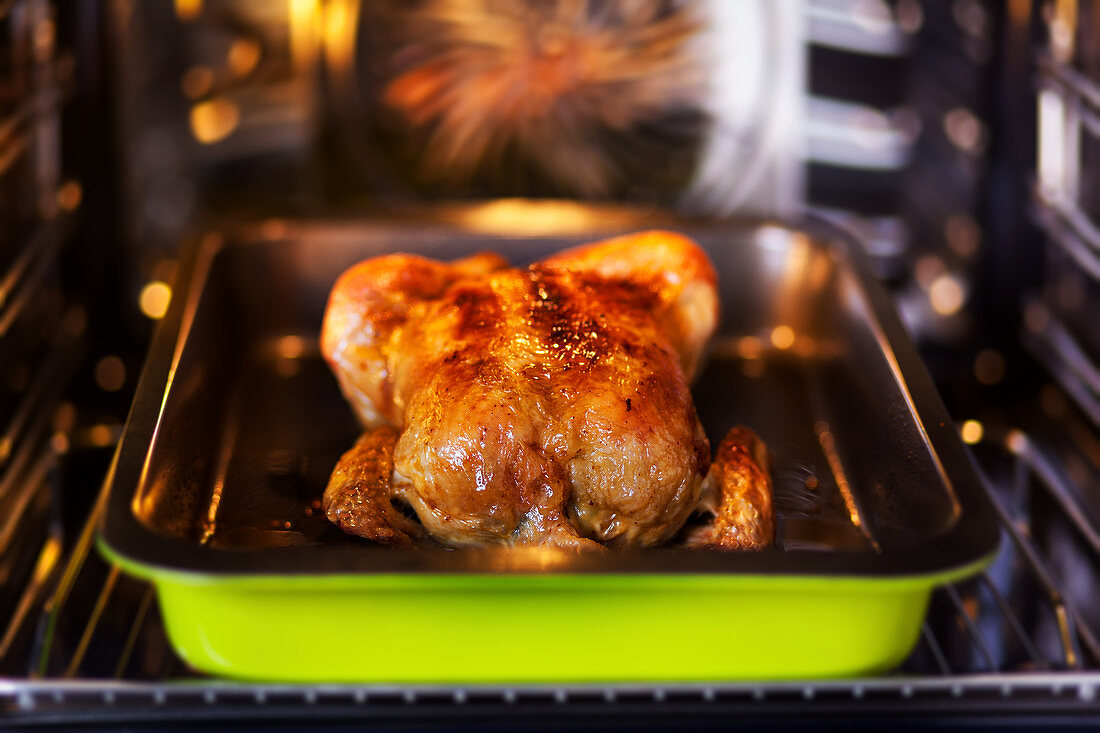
(545, 405)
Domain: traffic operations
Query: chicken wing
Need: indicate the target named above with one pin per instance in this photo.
(738, 495)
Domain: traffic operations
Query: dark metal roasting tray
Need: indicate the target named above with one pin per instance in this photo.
(237, 423)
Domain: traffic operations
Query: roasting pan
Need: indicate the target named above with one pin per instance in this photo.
(236, 424)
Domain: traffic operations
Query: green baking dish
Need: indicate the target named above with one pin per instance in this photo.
(236, 424)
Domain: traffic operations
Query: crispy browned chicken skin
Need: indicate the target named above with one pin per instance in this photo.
(540, 405)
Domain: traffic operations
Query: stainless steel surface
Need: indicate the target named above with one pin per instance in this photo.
(1065, 694)
(64, 661)
(1060, 323)
(41, 327)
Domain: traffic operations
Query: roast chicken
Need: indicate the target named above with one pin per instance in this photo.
(540, 405)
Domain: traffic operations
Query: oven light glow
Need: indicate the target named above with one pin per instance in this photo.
(187, 10)
(338, 31)
(927, 269)
(290, 347)
(964, 130)
(1018, 443)
(197, 82)
(70, 195)
(1052, 143)
(243, 56)
(47, 559)
(773, 237)
(947, 294)
(1062, 26)
(873, 16)
(100, 435)
(305, 17)
(289, 350)
(214, 120)
(527, 216)
(749, 347)
(910, 16)
(782, 337)
(59, 443)
(154, 299)
(972, 432)
(110, 374)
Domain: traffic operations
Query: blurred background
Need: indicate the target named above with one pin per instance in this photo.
(914, 125)
(958, 141)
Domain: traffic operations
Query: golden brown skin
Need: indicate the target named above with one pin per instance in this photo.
(361, 505)
(738, 492)
(542, 405)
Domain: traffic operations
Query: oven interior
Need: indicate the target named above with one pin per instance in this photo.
(957, 141)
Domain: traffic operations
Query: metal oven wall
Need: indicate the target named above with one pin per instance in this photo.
(955, 139)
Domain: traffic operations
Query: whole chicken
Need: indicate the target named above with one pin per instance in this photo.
(544, 405)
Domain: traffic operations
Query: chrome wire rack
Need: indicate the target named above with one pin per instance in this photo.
(83, 643)
(1060, 329)
(42, 329)
(87, 643)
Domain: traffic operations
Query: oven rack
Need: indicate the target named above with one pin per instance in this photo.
(1055, 347)
(1014, 640)
(41, 328)
(1069, 120)
(82, 643)
(1067, 695)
